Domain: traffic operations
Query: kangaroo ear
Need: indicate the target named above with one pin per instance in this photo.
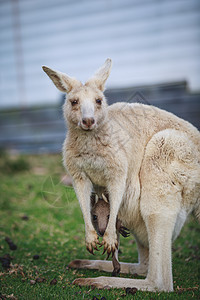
(105, 198)
(100, 77)
(61, 80)
(94, 199)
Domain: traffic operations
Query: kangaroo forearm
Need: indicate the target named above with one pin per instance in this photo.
(83, 188)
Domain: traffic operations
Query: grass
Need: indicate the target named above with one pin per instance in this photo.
(42, 217)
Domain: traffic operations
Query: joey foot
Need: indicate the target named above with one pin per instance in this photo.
(124, 231)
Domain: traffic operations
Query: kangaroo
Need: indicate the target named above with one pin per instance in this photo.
(100, 213)
(147, 159)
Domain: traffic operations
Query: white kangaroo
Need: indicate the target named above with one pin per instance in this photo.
(146, 159)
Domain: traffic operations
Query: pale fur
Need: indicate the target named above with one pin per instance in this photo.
(148, 160)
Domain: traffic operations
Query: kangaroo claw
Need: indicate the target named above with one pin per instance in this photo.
(108, 255)
(105, 248)
(95, 248)
(109, 251)
(113, 251)
(90, 250)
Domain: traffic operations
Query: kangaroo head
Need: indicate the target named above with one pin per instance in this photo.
(85, 105)
(100, 213)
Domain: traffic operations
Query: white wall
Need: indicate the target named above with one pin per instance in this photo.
(150, 41)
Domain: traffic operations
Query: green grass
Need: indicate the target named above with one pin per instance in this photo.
(55, 231)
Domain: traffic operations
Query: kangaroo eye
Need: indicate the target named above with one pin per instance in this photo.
(94, 217)
(108, 217)
(98, 101)
(74, 102)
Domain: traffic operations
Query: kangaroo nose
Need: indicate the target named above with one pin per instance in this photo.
(88, 121)
(101, 232)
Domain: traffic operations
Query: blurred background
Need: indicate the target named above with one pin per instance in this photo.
(154, 45)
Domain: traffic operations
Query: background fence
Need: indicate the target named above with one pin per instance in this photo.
(42, 130)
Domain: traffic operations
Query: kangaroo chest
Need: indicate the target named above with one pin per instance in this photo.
(94, 167)
(92, 156)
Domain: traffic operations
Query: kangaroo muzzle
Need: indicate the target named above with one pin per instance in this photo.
(87, 111)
